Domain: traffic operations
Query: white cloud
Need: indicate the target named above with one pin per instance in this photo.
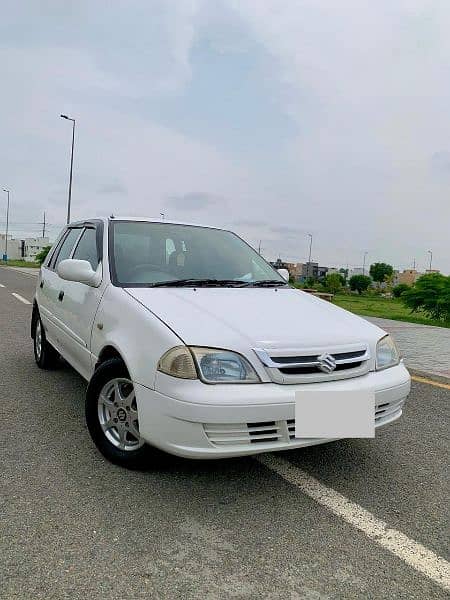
(364, 84)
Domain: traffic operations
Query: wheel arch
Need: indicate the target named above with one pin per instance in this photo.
(107, 352)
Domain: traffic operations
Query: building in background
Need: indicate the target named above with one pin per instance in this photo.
(33, 246)
(23, 249)
(358, 271)
(407, 277)
(294, 269)
(312, 270)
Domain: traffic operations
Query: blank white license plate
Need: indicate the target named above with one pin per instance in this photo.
(334, 414)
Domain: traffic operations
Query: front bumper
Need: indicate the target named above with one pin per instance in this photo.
(194, 420)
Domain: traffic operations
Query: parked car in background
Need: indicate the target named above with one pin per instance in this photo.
(192, 343)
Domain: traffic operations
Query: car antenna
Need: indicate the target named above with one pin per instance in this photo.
(112, 217)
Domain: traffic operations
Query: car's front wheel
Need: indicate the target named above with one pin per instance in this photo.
(112, 416)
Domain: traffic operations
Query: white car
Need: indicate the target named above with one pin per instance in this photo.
(192, 343)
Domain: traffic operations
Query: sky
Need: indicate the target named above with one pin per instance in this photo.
(273, 118)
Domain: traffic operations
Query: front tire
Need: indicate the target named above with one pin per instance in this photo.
(45, 355)
(112, 416)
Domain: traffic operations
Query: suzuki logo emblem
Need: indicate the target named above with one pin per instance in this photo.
(327, 363)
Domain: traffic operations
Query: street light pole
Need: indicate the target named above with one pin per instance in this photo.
(7, 227)
(309, 271)
(431, 259)
(71, 166)
(364, 262)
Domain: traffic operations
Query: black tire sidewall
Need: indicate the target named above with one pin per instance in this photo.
(49, 356)
(134, 459)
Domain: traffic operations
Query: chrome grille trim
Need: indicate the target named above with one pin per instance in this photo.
(309, 360)
(351, 361)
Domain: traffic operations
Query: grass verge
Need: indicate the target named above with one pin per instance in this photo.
(385, 308)
(19, 263)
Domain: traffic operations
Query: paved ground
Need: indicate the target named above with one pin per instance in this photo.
(27, 270)
(425, 348)
(73, 526)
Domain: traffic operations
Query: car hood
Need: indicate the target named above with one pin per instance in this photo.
(244, 318)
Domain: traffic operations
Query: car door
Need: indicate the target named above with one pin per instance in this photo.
(79, 302)
(48, 300)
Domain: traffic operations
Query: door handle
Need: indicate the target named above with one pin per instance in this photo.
(61, 295)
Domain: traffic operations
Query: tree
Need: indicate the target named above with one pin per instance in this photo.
(359, 283)
(42, 255)
(333, 282)
(399, 289)
(430, 294)
(344, 274)
(310, 282)
(379, 272)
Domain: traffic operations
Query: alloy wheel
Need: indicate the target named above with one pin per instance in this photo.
(118, 416)
(38, 339)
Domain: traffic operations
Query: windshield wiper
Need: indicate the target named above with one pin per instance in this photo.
(199, 283)
(267, 283)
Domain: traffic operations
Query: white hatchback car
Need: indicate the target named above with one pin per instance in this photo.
(192, 343)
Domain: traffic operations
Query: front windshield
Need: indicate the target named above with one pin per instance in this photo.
(146, 254)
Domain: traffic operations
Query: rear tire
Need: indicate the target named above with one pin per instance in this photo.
(45, 355)
(112, 417)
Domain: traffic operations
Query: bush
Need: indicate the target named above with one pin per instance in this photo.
(42, 255)
(399, 289)
(359, 283)
(430, 294)
(333, 283)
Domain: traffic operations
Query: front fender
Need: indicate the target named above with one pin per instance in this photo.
(138, 335)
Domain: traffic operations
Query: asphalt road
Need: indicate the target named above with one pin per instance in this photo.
(74, 526)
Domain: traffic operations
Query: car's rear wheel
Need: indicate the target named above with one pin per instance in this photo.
(45, 355)
(112, 416)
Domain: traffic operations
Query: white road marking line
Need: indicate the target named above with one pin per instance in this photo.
(1, 285)
(411, 552)
(21, 298)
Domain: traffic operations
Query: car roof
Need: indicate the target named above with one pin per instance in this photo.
(141, 220)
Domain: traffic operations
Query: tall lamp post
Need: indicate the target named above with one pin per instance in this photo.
(310, 246)
(431, 259)
(5, 255)
(309, 270)
(364, 262)
(71, 165)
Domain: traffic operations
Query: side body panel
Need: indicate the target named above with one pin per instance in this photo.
(77, 312)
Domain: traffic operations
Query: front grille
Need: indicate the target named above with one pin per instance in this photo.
(276, 433)
(288, 366)
(308, 370)
(313, 358)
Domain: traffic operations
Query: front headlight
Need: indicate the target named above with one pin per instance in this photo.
(223, 366)
(211, 364)
(387, 353)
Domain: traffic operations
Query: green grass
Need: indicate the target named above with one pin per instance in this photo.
(386, 308)
(19, 263)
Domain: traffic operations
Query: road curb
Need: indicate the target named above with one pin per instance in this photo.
(430, 376)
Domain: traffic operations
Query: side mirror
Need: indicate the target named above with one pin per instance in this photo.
(284, 274)
(80, 271)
